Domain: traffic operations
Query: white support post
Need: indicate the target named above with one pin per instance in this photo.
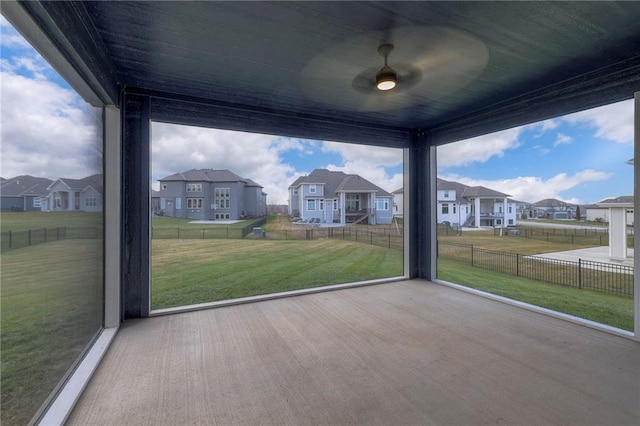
(617, 233)
(636, 212)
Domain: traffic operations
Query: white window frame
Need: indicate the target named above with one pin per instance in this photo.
(321, 205)
(37, 202)
(443, 207)
(90, 202)
(222, 198)
(295, 191)
(384, 202)
(335, 204)
(194, 203)
(312, 188)
(309, 209)
(194, 187)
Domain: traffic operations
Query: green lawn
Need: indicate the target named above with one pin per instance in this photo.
(51, 302)
(195, 271)
(607, 309)
(21, 221)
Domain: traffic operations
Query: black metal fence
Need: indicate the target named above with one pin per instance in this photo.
(205, 233)
(599, 276)
(11, 240)
(388, 238)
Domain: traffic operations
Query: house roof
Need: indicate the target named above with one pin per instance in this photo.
(552, 202)
(25, 185)
(481, 191)
(94, 181)
(208, 175)
(622, 199)
(337, 181)
(307, 69)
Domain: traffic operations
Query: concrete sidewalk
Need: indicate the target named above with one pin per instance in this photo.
(594, 254)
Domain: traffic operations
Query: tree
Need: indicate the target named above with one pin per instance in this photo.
(578, 213)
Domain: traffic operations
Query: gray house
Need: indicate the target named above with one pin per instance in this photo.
(67, 194)
(337, 197)
(23, 193)
(208, 194)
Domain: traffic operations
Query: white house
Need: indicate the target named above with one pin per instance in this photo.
(471, 206)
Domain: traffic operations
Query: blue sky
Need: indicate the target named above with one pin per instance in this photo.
(578, 158)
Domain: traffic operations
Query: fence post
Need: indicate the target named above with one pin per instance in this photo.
(356, 235)
(370, 237)
(579, 273)
(29, 236)
(471, 254)
(517, 265)
(389, 236)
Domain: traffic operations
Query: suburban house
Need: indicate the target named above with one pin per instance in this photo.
(66, 194)
(337, 197)
(551, 208)
(599, 212)
(208, 194)
(398, 202)
(470, 206)
(23, 193)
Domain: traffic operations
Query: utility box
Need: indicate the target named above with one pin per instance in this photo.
(258, 232)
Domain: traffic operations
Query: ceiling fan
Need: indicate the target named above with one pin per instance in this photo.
(421, 64)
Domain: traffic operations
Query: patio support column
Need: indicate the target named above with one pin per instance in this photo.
(343, 210)
(135, 206)
(617, 233)
(504, 213)
(636, 212)
(476, 212)
(421, 208)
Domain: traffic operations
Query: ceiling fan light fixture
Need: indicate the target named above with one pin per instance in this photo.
(386, 79)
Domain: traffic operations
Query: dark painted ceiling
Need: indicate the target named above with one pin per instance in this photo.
(480, 65)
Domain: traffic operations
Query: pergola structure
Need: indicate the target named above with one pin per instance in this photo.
(308, 69)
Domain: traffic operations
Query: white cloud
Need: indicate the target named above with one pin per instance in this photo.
(479, 149)
(47, 130)
(535, 188)
(613, 122)
(562, 139)
(178, 148)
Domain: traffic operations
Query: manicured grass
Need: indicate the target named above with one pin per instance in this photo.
(607, 309)
(51, 301)
(526, 246)
(174, 222)
(21, 221)
(195, 271)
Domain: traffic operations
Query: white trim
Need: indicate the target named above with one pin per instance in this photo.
(63, 404)
(406, 223)
(636, 209)
(112, 199)
(252, 299)
(534, 308)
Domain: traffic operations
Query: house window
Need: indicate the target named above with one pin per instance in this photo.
(321, 205)
(194, 187)
(222, 198)
(295, 191)
(352, 202)
(335, 205)
(90, 202)
(312, 189)
(454, 208)
(178, 203)
(499, 209)
(36, 202)
(498, 221)
(194, 203)
(311, 205)
(445, 208)
(382, 204)
(164, 186)
(446, 194)
(509, 209)
(510, 221)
